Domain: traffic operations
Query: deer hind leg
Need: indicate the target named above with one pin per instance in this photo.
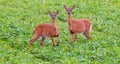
(58, 40)
(42, 41)
(33, 39)
(86, 33)
(53, 41)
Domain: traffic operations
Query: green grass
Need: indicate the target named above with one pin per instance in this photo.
(18, 18)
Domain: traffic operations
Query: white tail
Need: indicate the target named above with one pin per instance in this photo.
(91, 27)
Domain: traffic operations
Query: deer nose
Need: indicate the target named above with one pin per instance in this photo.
(53, 17)
(68, 12)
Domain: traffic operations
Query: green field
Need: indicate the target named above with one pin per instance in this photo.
(18, 19)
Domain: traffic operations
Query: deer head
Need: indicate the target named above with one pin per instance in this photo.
(53, 16)
(69, 10)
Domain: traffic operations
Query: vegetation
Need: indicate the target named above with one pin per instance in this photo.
(18, 18)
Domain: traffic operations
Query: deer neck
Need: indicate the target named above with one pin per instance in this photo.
(69, 19)
(54, 22)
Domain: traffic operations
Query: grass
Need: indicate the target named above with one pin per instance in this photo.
(19, 18)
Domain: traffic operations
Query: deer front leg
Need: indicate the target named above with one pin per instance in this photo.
(75, 36)
(58, 40)
(52, 41)
(71, 39)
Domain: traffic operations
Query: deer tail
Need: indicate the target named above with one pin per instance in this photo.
(90, 27)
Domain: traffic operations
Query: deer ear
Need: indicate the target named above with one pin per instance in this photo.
(49, 12)
(56, 12)
(73, 7)
(65, 7)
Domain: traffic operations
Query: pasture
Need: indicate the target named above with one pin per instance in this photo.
(18, 19)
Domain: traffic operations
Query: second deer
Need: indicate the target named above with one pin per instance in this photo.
(77, 25)
(47, 30)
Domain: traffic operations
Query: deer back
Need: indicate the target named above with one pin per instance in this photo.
(79, 26)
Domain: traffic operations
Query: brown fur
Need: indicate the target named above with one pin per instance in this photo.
(46, 30)
(77, 25)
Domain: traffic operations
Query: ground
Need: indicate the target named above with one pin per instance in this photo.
(18, 19)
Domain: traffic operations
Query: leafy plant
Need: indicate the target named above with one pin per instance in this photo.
(19, 18)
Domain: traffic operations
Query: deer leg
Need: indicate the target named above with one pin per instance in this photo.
(87, 32)
(33, 40)
(42, 41)
(58, 40)
(52, 41)
(71, 38)
(75, 37)
(87, 35)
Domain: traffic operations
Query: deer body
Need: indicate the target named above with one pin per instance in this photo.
(47, 30)
(77, 25)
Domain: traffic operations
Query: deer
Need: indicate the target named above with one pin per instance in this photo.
(76, 26)
(47, 30)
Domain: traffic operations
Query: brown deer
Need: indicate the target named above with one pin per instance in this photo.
(47, 30)
(77, 25)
